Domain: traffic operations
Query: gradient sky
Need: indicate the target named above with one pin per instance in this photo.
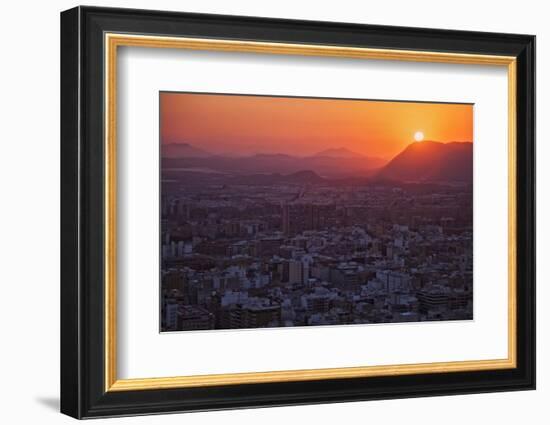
(244, 125)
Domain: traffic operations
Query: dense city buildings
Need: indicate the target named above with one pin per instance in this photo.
(271, 250)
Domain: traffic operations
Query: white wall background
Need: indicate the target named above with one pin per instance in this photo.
(29, 212)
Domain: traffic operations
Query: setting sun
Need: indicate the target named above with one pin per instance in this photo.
(247, 125)
(418, 136)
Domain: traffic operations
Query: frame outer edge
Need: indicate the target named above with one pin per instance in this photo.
(533, 127)
(80, 393)
(529, 56)
(70, 349)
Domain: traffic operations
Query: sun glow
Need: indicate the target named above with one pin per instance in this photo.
(418, 136)
(248, 125)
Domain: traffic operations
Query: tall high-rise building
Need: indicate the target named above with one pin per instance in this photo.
(312, 217)
(295, 272)
(286, 219)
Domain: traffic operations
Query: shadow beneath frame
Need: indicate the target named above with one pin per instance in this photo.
(51, 403)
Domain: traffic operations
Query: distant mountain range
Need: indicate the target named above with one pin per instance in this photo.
(331, 163)
(431, 161)
(421, 162)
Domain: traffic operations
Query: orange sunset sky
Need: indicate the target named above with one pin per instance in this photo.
(245, 125)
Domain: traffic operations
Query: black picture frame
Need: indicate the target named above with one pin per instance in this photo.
(83, 392)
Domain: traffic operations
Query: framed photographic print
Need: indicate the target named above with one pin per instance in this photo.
(261, 212)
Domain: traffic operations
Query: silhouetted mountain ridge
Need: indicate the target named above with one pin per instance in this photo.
(428, 161)
(431, 161)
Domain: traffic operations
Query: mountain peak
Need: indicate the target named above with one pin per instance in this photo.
(431, 161)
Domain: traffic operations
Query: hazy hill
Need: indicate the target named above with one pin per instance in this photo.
(343, 163)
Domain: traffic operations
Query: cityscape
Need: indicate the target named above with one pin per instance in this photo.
(334, 237)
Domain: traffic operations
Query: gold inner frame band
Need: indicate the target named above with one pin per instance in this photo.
(113, 41)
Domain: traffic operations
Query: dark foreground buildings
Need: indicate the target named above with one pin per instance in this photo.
(268, 255)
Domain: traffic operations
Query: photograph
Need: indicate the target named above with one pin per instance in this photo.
(285, 211)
